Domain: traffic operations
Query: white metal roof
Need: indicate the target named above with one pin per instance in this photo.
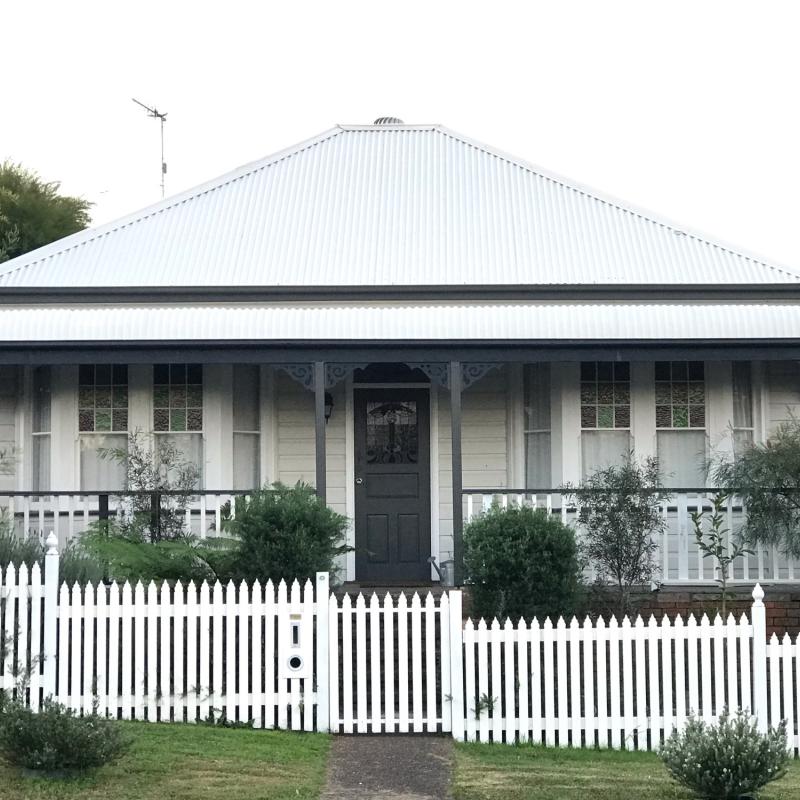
(387, 205)
(398, 322)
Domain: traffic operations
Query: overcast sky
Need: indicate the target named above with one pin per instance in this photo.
(689, 109)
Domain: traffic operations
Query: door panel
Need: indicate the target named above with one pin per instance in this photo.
(392, 492)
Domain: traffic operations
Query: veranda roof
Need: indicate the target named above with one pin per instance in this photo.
(398, 322)
(386, 206)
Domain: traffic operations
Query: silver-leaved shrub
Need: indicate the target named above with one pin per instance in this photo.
(731, 759)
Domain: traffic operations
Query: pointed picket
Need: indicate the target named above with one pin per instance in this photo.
(666, 637)
(295, 697)
(789, 692)
(745, 630)
(774, 659)
(509, 720)
(705, 672)
(89, 687)
(548, 640)
(270, 655)
(177, 689)
(574, 640)
(402, 661)
(731, 639)
(203, 688)
(230, 672)
(192, 677)
(256, 654)
(615, 645)
(126, 652)
(589, 711)
(448, 708)
(653, 705)
(485, 700)
(471, 707)
(523, 678)
(718, 635)
(335, 676)
(390, 712)
(495, 708)
(361, 675)
(165, 674)
(152, 676)
(563, 683)
(417, 691)
(601, 650)
(36, 590)
(430, 664)
(308, 696)
(637, 728)
(139, 668)
(281, 610)
(680, 672)
(217, 698)
(535, 671)
(375, 664)
(113, 611)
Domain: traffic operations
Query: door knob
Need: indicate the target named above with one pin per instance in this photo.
(359, 481)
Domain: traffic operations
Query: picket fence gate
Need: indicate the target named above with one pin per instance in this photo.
(301, 658)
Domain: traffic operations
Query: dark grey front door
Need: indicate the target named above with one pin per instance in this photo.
(393, 487)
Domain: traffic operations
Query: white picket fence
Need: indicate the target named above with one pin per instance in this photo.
(301, 658)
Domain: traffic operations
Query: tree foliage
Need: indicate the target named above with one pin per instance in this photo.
(621, 519)
(33, 213)
(767, 478)
(522, 562)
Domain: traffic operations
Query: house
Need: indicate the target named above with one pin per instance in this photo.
(414, 322)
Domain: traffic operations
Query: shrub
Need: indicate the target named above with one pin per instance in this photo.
(728, 760)
(522, 562)
(285, 532)
(17, 550)
(767, 478)
(620, 515)
(55, 738)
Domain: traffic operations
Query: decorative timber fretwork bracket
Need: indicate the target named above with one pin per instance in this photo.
(439, 373)
(304, 373)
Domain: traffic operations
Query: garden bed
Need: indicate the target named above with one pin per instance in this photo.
(184, 762)
(492, 772)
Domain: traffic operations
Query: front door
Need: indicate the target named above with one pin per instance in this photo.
(393, 488)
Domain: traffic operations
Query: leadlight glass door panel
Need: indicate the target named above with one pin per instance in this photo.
(392, 491)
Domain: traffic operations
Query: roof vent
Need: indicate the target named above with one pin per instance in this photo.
(388, 121)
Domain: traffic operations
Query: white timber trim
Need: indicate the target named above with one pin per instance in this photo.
(268, 426)
(515, 417)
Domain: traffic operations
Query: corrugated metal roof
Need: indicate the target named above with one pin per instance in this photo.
(398, 322)
(387, 205)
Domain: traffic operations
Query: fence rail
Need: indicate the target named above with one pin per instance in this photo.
(302, 658)
(678, 557)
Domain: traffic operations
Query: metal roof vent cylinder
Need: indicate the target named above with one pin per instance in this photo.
(388, 121)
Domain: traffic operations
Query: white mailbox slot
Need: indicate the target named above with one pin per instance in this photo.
(295, 656)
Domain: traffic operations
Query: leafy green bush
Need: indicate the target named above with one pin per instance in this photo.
(522, 562)
(728, 760)
(55, 738)
(285, 532)
(621, 519)
(123, 554)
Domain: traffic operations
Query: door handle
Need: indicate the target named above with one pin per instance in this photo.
(359, 481)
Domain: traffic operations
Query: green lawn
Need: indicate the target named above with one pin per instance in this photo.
(190, 762)
(492, 772)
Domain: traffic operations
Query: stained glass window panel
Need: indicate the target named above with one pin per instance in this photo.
(98, 385)
(680, 394)
(392, 432)
(605, 391)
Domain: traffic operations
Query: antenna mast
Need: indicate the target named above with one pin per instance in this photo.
(156, 114)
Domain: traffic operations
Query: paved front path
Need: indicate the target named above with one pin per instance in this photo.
(389, 767)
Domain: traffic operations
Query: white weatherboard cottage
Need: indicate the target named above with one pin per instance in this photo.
(412, 321)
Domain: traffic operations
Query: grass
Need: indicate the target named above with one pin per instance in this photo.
(187, 762)
(491, 772)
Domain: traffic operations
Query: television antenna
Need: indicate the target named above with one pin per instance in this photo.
(162, 117)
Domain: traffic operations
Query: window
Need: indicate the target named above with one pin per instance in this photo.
(42, 403)
(680, 422)
(178, 408)
(743, 427)
(177, 397)
(246, 427)
(536, 388)
(605, 414)
(102, 424)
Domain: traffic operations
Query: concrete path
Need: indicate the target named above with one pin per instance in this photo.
(393, 767)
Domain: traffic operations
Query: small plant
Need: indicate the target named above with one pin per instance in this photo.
(485, 703)
(728, 760)
(285, 532)
(219, 719)
(714, 543)
(522, 562)
(620, 513)
(155, 468)
(55, 738)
